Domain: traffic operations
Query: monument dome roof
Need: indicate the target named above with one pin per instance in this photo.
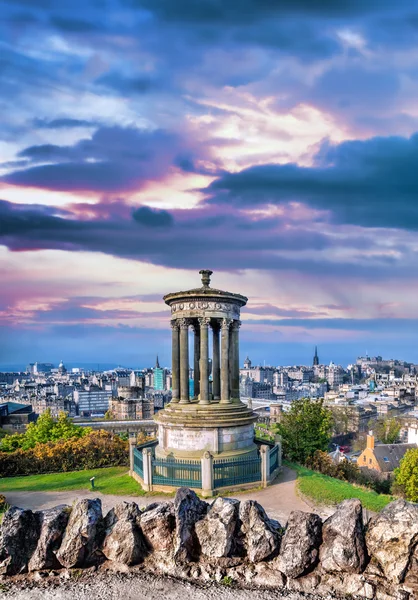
(206, 292)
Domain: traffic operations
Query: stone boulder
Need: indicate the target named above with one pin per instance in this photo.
(260, 536)
(215, 531)
(83, 534)
(123, 540)
(19, 535)
(188, 510)
(158, 523)
(53, 522)
(344, 545)
(299, 550)
(391, 538)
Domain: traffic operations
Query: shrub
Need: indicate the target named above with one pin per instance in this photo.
(94, 450)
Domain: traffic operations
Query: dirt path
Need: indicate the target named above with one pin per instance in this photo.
(278, 499)
(141, 587)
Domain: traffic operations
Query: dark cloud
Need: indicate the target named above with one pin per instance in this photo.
(373, 183)
(218, 11)
(63, 123)
(383, 326)
(151, 217)
(184, 239)
(74, 25)
(113, 159)
(127, 85)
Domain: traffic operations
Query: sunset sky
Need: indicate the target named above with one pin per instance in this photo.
(273, 142)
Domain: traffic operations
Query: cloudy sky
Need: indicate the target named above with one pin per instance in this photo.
(273, 142)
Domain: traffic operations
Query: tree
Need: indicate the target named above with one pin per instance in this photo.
(39, 432)
(406, 476)
(46, 429)
(343, 419)
(305, 428)
(387, 430)
(109, 416)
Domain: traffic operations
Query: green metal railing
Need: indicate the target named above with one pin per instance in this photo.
(139, 462)
(274, 459)
(176, 472)
(234, 471)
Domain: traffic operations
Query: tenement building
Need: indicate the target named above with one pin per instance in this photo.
(210, 434)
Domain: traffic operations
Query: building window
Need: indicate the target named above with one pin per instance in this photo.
(364, 458)
(370, 461)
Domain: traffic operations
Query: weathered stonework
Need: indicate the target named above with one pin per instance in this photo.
(190, 539)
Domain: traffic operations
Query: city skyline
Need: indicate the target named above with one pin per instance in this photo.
(275, 145)
(148, 364)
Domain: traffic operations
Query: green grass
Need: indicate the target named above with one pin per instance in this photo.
(114, 480)
(327, 490)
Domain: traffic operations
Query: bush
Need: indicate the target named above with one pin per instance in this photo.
(348, 471)
(94, 450)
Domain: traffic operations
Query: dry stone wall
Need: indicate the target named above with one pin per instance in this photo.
(192, 539)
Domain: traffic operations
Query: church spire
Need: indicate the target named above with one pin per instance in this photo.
(157, 363)
(316, 359)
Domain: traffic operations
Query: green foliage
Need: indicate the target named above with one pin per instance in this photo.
(406, 476)
(227, 581)
(12, 442)
(305, 428)
(92, 450)
(263, 433)
(387, 430)
(323, 489)
(345, 470)
(323, 463)
(113, 480)
(109, 416)
(46, 429)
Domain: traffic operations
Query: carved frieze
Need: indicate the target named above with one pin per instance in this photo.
(205, 305)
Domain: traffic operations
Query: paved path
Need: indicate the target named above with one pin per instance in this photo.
(278, 499)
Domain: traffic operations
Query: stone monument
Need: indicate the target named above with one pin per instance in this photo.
(214, 420)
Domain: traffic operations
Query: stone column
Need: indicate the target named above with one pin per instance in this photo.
(265, 465)
(184, 361)
(207, 475)
(147, 465)
(196, 366)
(235, 360)
(132, 446)
(204, 360)
(225, 397)
(175, 362)
(216, 365)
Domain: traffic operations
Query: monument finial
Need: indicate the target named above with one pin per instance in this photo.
(205, 277)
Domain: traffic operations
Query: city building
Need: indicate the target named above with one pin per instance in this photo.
(92, 401)
(382, 458)
(158, 377)
(15, 417)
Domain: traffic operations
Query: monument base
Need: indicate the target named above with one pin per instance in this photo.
(187, 431)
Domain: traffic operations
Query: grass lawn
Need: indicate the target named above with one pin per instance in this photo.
(327, 490)
(114, 480)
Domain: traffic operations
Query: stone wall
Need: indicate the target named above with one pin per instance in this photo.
(192, 539)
